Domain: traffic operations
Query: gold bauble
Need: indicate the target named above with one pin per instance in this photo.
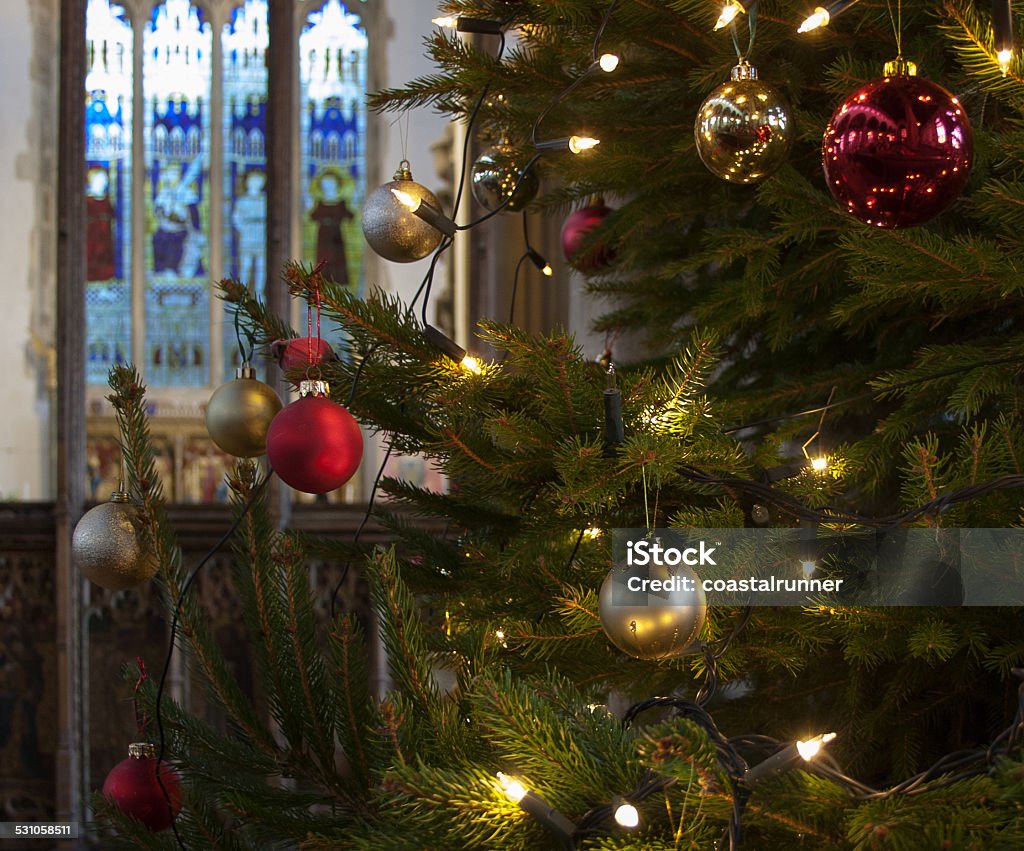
(107, 547)
(743, 129)
(391, 229)
(239, 414)
(652, 624)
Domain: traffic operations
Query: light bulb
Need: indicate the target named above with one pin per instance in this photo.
(406, 200)
(810, 748)
(820, 463)
(626, 815)
(592, 533)
(472, 364)
(1004, 57)
(547, 270)
(513, 789)
(447, 21)
(819, 18)
(729, 12)
(808, 568)
(608, 62)
(578, 144)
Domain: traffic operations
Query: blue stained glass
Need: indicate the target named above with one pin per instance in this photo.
(176, 84)
(108, 126)
(333, 51)
(245, 40)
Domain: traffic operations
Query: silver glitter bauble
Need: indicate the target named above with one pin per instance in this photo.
(648, 624)
(107, 547)
(391, 229)
(743, 129)
(495, 178)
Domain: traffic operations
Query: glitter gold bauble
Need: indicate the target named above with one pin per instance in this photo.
(646, 624)
(496, 177)
(239, 414)
(743, 129)
(898, 151)
(107, 546)
(392, 230)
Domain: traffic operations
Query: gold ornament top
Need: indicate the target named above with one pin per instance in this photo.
(314, 387)
(245, 371)
(141, 750)
(120, 495)
(900, 67)
(404, 172)
(744, 71)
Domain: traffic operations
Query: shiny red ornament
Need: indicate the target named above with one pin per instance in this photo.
(295, 353)
(133, 788)
(574, 232)
(898, 151)
(314, 444)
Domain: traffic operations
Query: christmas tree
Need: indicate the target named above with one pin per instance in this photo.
(783, 327)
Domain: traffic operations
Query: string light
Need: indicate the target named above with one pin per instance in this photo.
(445, 344)
(819, 464)
(625, 814)
(537, 807)
(540, 262)
(608, 62)
(822, 16)
(806, 749)
(427, 213)
(729, 13)
(470, 25)
(1002, 33)
(592, 533)
(575, 144)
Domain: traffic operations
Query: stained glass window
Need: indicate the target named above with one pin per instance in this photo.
(332, 53)
(245, 40)
(108, 204)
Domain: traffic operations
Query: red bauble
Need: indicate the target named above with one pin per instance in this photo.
(314, 444)
(295, 353)
(575, 230)
(133, 788)
(897, 151)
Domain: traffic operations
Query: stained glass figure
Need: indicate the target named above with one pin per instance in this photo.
(108, 137)
(333, 49)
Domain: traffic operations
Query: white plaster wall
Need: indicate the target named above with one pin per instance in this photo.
(27, 98)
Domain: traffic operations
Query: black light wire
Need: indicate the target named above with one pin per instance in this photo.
(174, 631)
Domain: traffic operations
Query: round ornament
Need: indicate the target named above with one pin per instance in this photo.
(394, 231)
(239, 414)
(574, 233)
(898, 151)
(652, 625)
(314, 444)
(132, 786)
(301, 353)
(743, 129)
(107, 546)
(495, 178)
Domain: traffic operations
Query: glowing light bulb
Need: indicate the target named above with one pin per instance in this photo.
(1004, 57)
(819, 18)
(592, 533)
(808, 568)
(513, 789)
(626, 815)
(499, 634)
(406, 200)
(728, 14)
(446, 21)
(547, 270)
(820, 463)
(472, 364)
(810, 748)
(608, 62)
(578, 144)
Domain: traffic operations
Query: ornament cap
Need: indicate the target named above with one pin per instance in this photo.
(900, 67)
(404, 171)
(120, 495)
(744, 71)
(314, 387)
(246, 370)
(141, 750)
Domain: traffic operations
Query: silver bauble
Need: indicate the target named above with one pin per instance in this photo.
(743, 129)
(652, 624)
(239, 414)
(391, 229)
(108, 546)
(495, 178)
